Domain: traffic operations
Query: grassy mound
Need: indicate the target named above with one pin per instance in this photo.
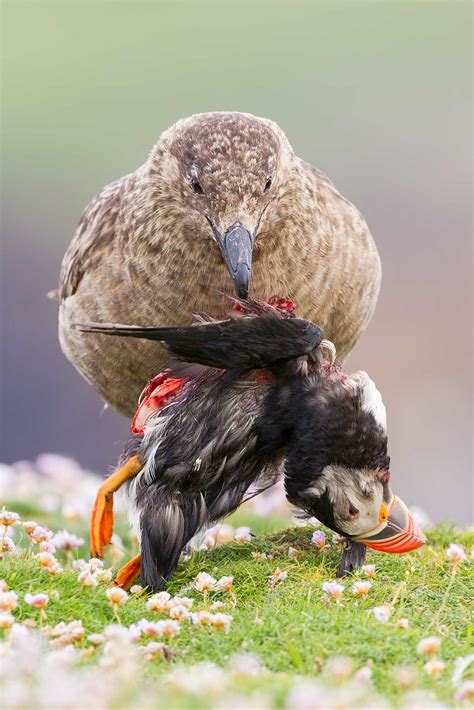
(288, 624)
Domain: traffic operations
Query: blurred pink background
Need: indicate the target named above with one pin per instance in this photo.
(377, 95)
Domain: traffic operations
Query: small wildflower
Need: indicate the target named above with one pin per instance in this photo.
(363, 675)
(104, 576)
(179, 612)
(465, 692)
(429, 646)
(116, 596)
(338, 540)
(277, 576)
(47, 559)
(203, 582)
(66, 541)
(96, 639)
(29, 526)
(259, 556)
(403, 624)
(243, 535)
(435, 667)
(148, 628)
(318, 539)
(405, 677)
(455, 554)
(333, 590)
(41, 534)
(87, 579)
(338, 669)
(47, 547)
(224, 584)
(6, 620)
(382, 613)
(202, 618)
(3, 586)
(8, 518)
(180, 601)
(245, 664)
(168, 628)
(136, 589)
(224, 534)
(7, 545)
(39, 601)
(222, 622)
(154, 649)
(158, 602)
(292, 553)
(361, 589)
(8, 601)
(368, 570)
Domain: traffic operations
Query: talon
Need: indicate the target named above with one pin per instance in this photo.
(102, 519)
(128, 573)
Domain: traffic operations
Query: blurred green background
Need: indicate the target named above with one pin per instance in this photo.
(376, 94)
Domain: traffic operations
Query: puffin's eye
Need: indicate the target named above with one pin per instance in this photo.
(197, 189)
(268, 184)
(353, 512)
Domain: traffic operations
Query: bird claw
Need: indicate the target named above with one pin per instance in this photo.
(128, 573)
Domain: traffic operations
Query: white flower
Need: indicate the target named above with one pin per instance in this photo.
(221, 621)
(39, 601)
(217, 606)
(435, 667)
(203, 582)
(368, 570)
(338, 669)
(277, 576)
(180, 601)
(96, 639)
(6, 620)
(66, 541)
(202, 618)
(318, 539)
(136, 589)
(403, 624)
(29, 526)
(204, 679)
(363, 675)
(158, 602)
(223, 534)
(116, 596)
(7, 545)
(292, 553)
(333, 590)
(179, 612)
(168, 628)
(149, 628)
(243, 535)
(405, 677)
(429, 646)
(87, 579)
(245, 664)
(382, 613)
(465, 692)
(224, 584)
(103, 576)
(8, 518)
(338, 540)
(361, 589)
(8, 601)
(455, 554)
(41, 534)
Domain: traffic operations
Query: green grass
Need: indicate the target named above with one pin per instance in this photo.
(298, 630)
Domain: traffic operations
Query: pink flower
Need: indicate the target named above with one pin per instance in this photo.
(455, 554)
(203, 582)
(66, 541)
(179, 612)
(243, 535)
(277, 576)
(116, 596)
(403, 624)
(224, 584)
(40, 534)
(382, 613)
(368, 570)
(435, 667)
(6, 620)
(8, 601)
(429, 646)
(361, 589)
(39, 601)
(221, 622)
(465, 692)
(333, 590)
(158, 602)
(318, 539)
(8, 518)
(202, 618)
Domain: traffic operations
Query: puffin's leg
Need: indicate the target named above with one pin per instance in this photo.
(102, 519)
(128, 573)
(353, 556)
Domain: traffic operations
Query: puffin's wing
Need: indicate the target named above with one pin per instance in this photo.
(238, 343)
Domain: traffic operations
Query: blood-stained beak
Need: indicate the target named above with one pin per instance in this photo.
(397, 531)
(236, 246)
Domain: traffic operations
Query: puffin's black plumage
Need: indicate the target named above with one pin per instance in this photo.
(224, 434)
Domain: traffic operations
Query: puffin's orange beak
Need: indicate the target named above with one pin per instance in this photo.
(397, 532)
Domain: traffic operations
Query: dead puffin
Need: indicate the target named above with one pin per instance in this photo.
(259, 401)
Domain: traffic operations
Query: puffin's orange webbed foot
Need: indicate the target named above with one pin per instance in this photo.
(128, 573)
(102, 519)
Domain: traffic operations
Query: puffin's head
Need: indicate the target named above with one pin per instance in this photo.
(217, 173)
(342, 477)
